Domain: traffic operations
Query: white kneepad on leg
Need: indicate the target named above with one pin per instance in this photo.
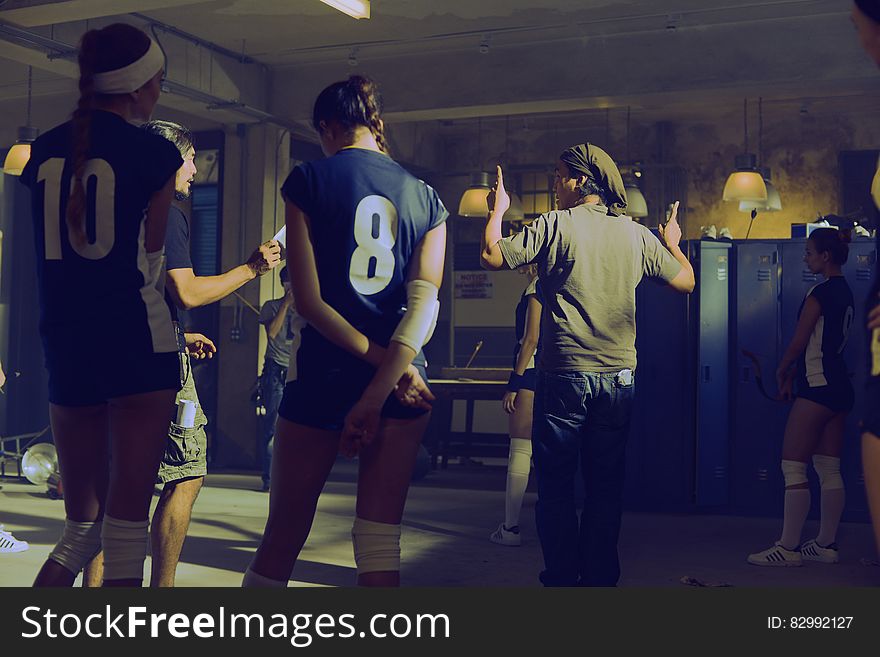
(125, 548)
(828, 469)
(422, 309)
(376, 546)
(794, 472)
(80, 543)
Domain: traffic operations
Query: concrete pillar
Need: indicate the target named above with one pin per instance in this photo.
(256, 156)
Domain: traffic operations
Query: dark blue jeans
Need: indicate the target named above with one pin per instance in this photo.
(272, 384)
(580, 417)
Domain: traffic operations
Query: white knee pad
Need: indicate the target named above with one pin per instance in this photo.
(520, 459)
(794, 472)
(80, 543)
(125, 548)
(376, 546)
(828, 469)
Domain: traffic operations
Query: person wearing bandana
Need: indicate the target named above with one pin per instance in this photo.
(590, 258)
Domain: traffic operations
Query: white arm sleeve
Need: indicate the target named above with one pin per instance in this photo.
(422, 308)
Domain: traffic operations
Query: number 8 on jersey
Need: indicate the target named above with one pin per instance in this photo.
(375, 232)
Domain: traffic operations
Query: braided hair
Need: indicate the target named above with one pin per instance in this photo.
(107, 49)
(351, 103)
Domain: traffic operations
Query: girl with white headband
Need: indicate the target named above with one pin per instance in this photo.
(101, 189)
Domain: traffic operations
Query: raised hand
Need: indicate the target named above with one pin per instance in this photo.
(498, 200)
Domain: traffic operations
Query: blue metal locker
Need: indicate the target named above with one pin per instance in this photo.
(757, 423)
(678, 448)
(711, 485)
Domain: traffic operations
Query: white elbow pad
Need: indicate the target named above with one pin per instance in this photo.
(156, 270)
(422, 308)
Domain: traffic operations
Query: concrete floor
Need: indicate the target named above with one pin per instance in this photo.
(449, 516)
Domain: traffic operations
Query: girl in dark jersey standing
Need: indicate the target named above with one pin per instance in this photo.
(101, 188)
(366, 242)
(519, 402)
(824, 397)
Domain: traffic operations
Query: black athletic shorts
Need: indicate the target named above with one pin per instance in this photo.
(837, 396)
(322, 397)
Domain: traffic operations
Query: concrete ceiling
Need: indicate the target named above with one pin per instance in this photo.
(667, 59)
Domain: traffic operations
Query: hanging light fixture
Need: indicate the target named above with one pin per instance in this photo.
(473, 201)
(354, 8)
(636, 205)
(20, 153)
(773, 202)
(745, 184)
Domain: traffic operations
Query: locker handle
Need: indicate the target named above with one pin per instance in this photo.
(745, 375)
(706, 374)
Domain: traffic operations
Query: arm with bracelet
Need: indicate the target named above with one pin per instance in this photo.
(527, 349)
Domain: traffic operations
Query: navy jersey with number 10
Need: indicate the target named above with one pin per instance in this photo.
(101, 287)
(366, 216)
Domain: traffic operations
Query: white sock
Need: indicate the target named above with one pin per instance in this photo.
(797, 506)
(833, 501)
(254, 580)
(518, 466)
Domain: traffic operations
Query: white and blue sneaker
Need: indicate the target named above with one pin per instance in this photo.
(504, 536)
(776, 556)
(10, 544)
(812, 551)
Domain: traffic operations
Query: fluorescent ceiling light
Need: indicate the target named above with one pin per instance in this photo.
(354, 8)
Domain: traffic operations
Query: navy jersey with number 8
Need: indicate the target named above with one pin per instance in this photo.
(367, 214)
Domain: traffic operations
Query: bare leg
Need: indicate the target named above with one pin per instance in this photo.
(139, 430)
(383, 481)
(301, 461)
(81, 440)
(93, 573)
(170, 525)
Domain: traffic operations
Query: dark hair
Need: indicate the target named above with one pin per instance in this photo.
(833, 241)
(108, 49)
(285, 276)
(590, 187)
(352, 103)
(173, 132)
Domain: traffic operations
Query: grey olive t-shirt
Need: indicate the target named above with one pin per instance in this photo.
(589, 264)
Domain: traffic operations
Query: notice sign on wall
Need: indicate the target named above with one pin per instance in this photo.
(473, 285)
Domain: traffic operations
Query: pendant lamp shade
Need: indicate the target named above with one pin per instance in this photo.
(746, 183)
(20, 153)
(473, 201)
(636, 205)
(515, 212)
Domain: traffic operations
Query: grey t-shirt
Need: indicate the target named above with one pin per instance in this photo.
(589, 264)
(278, 348)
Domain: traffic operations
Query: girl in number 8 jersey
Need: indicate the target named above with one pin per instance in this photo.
(366, 243)
(101, 188)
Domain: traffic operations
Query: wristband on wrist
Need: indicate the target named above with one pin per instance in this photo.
(514, 383)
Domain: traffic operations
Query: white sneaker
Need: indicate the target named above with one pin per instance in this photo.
(725, 234)
(504, 536)
(708, 232)
(812, 551)
(9, 544)
(777, 556)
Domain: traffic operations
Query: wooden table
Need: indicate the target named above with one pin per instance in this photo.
(447, 391)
